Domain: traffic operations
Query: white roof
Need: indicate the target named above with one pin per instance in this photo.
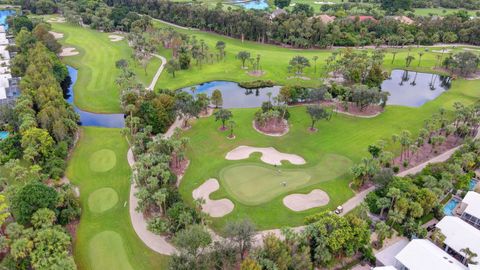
(459, 234)
(421, 254)
(389, 267)
(473, 200)
(3, 93)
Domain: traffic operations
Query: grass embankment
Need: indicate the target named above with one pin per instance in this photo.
(274, 60)
(95, 89)
(105, 236)
(343, 135)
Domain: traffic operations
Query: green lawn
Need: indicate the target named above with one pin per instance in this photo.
(255, 184)
(95, 90)
(441, 11)
(274, 61)
(105, 236)
(343, 135)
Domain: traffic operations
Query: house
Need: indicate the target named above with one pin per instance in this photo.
(469, 209)
(402, 19)
(421, 254)
(458, 236)
(363, 18)
(277, 12)
(326, 19)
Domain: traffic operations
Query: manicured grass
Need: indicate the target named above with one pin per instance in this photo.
(343, 135)
(441, 11)
(254, 184)
(95, 89)
(105, 237)
(274, 60)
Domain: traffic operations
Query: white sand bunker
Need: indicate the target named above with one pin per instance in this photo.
(215, 208)
(56, 35)
(56, 20)
(302, 202)
(442, 51)
(68, 51)
(115, 38)
(270, 155)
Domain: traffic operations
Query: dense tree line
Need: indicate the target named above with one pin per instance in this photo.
(42, 127)
(300, 30)
(326, 240)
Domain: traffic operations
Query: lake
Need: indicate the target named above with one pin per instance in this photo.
(255, 4)
(88, 118)
(413, 89)
(235, 96)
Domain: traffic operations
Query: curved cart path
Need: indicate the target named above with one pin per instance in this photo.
(159, 72)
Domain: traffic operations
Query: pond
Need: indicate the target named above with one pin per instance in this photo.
(254, 4)
(3, 17)
(235, 96)
(87, 118)
(410, 88)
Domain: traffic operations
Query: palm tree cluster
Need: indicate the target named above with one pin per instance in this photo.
(157, 159)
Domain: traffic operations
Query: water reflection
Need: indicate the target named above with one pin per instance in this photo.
(235, 96)
(410, 88)
(87, 118)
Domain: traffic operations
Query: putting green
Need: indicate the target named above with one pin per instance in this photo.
(103, 160)
(103, 199)
(107, 252)
(256, 183)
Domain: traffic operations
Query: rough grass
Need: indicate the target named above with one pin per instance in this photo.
(95, 89)
(106, 239)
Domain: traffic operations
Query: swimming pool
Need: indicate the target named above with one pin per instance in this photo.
(448, 208)
(3, 135)
(473, 184)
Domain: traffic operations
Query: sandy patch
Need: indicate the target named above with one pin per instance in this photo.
(68, 51)
(56, 35)
(302, 202)
(115, 38)
(270, 155)
(56, 20)
(215, 208)
(442, 51)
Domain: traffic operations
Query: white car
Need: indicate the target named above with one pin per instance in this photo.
(339, 210)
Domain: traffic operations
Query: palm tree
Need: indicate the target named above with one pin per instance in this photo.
(393, 193)
(394, 54)
(420, 54)
(469, 256)
(438, 237)
(395, 217)
(383, 203)
(231, 125)
(243, 56)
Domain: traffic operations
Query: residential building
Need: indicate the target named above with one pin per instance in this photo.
(421, 254)
(469, 209)
(459, 235)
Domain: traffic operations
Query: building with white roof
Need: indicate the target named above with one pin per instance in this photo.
(421, 254)
(471, 209)
(458, 236)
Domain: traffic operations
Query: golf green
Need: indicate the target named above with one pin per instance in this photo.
(103, 160)
(107, 252)
(103, 199)
(256, 183)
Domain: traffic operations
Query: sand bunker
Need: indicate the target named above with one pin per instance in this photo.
(269, 155)
(215, 208)
(56, 20)
(68, 51)
(442, 51)
(56, 35)
(302, 202)
(115, 38)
